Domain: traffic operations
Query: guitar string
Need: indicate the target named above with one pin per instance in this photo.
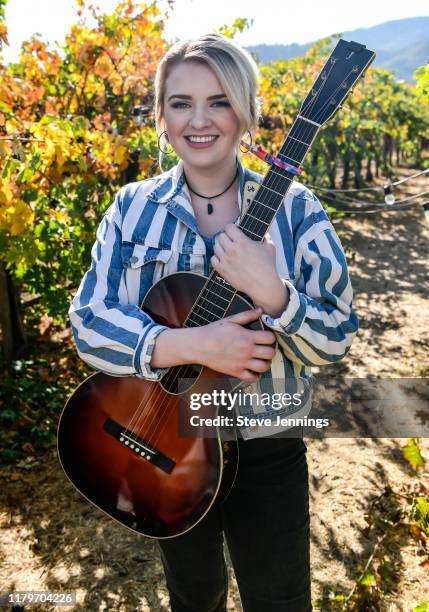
(271, 182)
(298, 132)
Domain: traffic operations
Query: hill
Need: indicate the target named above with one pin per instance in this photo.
(401, 45)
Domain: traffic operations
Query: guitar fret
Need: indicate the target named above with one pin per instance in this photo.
(193, 313)
(216, 294)
(225, 303)
(257, 219)
(278, 174)
(250, 232)
(220, 285)
(279, 184)
(256, 201)
(221, 281)
(308, 120)
(273, 190)
(288, 157)
(301, 141)
(198, 305)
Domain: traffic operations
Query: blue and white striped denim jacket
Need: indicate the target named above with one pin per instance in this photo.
(150, 231)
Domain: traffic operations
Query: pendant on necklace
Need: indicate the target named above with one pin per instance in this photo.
(209, 208)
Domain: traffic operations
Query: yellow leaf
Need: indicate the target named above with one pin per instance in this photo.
(17, 227)
(6, 193)
(62, 216)
(103, 67)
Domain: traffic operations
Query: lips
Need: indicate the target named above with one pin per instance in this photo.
(197, 138)
(201, 142)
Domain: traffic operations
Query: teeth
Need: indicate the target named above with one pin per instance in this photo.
(201, 138)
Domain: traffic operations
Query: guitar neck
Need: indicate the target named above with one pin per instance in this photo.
(217, 295)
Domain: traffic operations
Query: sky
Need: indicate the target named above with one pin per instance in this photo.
(278, 21)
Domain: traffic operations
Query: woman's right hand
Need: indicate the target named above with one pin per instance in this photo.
(228, 347)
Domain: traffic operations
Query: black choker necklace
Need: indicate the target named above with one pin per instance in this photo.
(209, 204)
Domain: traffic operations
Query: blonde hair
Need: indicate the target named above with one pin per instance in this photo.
(234, 67)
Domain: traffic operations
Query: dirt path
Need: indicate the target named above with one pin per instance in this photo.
(389, 270)
(52, 539)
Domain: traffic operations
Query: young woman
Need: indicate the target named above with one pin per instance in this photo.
(186, 219)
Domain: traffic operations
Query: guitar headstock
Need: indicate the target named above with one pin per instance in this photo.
(344, 67)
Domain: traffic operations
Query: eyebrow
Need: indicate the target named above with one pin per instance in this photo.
(185, 97)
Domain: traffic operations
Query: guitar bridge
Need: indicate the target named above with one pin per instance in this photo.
(139, 446)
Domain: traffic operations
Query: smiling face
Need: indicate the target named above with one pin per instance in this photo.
(201, 125)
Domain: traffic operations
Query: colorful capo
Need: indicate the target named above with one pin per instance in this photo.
(269, 159)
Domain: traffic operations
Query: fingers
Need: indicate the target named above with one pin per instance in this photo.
(214, 262)
(223, 241)
(219, 254)
(233, 232)
(245, 317)
(258, 365)
(262, 336)
(264, 352)
(249, 376)
(219, 250)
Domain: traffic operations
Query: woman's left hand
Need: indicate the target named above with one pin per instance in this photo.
(250, 266)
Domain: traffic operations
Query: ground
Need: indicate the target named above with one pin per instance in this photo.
(53, 539)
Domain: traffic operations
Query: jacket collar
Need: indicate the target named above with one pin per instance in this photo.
(172, 186)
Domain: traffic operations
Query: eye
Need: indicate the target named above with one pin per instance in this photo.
(221, 103)
(179, 104)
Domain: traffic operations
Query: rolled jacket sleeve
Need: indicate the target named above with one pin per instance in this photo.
(318, 324)
(111, 334)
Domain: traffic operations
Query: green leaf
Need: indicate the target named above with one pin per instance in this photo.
(8, 414)
(9, 167)
(422, 607)
(421, 514)
(412, 454)
(25, 175)
(368, 579)
(386, 572)
(239, 25)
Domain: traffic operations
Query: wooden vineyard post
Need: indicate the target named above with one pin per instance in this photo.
(14, 342)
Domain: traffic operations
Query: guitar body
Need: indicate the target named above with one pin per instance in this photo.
(118, 436)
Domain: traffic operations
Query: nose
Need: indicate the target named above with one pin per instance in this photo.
(200, 118)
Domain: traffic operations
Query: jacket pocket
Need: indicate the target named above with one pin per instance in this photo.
(136, 255)
(144, 266)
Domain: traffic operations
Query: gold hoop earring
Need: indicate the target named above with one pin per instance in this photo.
(251, 142)
(159, 138)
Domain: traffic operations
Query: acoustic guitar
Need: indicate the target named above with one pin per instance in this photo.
(118, 436)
